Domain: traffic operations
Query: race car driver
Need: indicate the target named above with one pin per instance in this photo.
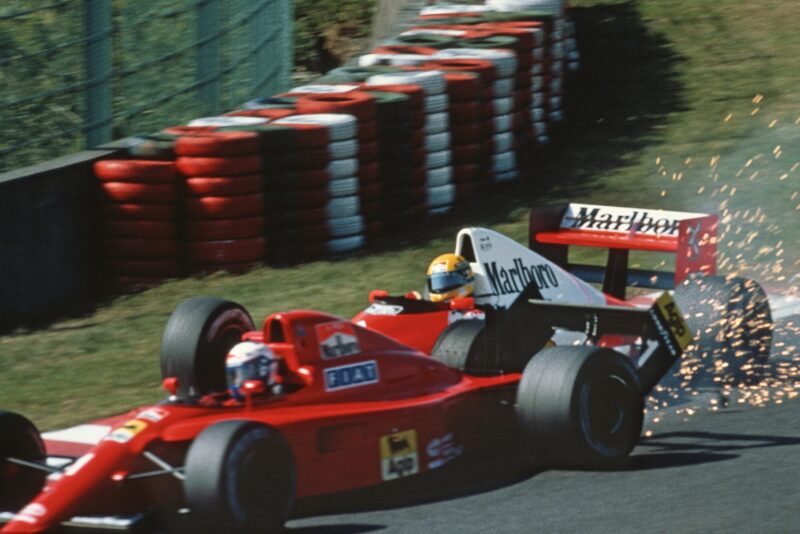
(449, 276)
(249, 360)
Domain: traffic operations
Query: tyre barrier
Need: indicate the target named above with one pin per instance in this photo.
(224, 203)
(428, 120)
(139, 222)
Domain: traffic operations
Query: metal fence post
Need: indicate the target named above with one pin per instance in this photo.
(208, 56)
(259, 27)
(287, 46)
(97, 26)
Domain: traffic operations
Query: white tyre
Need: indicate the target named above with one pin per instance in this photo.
(503, 106)
(539, 128)
(503, 123)
(436, 123)
(437, 142)
(346, 226)
(555, 102)
(537, 83)
(343, 168)
(345, 244)
(343, 149)
(451, 33)
(557, 84)
(443, 195)
(556, 116)
(538, 114)
(503, 142)
(507, 176)
(400, 60)
(504, 162)
(557, 67)
(439, 177)
(448, 9)
(224, 121)
(435, 160)
(505, 62)
(551, 7)
(340, 126)
(431, 81)
(574, 66)
(503, 88)
(340, 207)
(543, 140)
(440, 210)
(325, 88)
(343, 187)
(538, 99)
(537, 68)
(437, 103)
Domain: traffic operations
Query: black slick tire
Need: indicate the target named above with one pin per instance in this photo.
(196, 340)
(19, 439)
(240, 477)
(580, 406)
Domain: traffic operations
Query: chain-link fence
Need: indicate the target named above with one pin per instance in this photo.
(79, 73)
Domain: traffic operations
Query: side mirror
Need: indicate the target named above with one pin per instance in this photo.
(171, 385)
(462, 304)
(377, 294)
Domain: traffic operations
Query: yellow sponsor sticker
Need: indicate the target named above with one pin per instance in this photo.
(399, 456)
(673, 317)
(126, 432)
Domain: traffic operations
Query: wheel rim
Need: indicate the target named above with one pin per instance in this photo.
(607, 407)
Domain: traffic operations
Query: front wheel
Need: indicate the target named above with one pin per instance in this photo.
(580, 406)
(19, 439)
(240, 477)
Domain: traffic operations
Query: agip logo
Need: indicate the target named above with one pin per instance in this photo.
(337, 339)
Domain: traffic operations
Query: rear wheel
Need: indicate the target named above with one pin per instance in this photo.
(197, 338)
(19, 439)
(580, 406)
(732, 326)
(240, 477)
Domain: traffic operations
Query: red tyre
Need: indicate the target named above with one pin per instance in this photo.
(370, 193)
(225, 207)
(369, 173)
(219, 144)
(143, 268)
(367, 131)
(368, 152)
(225, 229)
(468, 133)
(468, 173)
(141, 229)
(469, 111)
(141, 249)
(463, 86)
(226, 252)
(136, 170)
(356, 103)
(188, 130)
(124, 192)
(266, 113)
(147, 212)
(225, 186)
(310, 159)
(471, 153)
(302, 180)
(310, 135)
(403, 49)
(483, 68)
(414, 92)
(219, 166)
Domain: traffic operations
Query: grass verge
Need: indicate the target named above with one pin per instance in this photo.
(680, 105)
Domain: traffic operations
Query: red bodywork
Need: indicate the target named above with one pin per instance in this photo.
(335, 435)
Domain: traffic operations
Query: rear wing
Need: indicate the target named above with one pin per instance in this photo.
(692, 237)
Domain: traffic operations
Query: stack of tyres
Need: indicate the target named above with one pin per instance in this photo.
(437, 155)
(453, 10)
(540, 73)
(470, 85)
(224, 203)
(501, 110)
(354, 74)
(322, 213)
(571, 47)
(139, 223)
(363, 106)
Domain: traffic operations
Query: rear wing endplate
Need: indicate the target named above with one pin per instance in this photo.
(691, 237)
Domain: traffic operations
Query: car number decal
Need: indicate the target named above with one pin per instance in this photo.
(399, 457)
(126, 432)
(674, 320)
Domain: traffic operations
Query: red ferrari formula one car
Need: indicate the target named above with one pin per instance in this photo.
(536, 354)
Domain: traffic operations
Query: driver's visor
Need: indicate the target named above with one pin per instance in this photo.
(444, 282)
(237, 375)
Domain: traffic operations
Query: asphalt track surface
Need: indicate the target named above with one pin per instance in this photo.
(735, 469)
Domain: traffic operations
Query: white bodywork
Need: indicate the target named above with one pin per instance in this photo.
(503, 268)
